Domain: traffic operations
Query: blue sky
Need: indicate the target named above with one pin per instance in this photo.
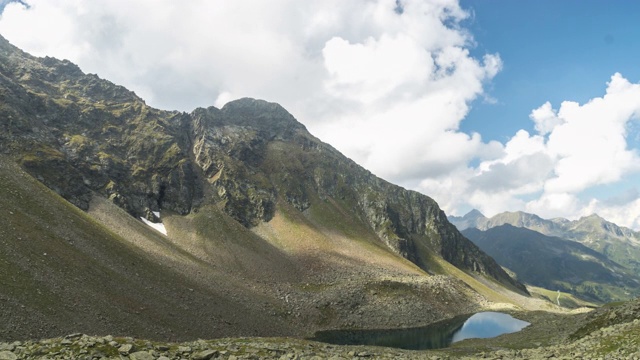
(552, 51)
(499, 105)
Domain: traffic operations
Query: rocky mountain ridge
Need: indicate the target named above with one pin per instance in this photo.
(81, 135)
(266, 230)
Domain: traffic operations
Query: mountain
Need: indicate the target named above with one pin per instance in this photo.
(556, 264)
(472, 219)
(475, 219)
(619, 244)
(265, 230)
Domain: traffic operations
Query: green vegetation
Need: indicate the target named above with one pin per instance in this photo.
(567, 300)
(556, 264)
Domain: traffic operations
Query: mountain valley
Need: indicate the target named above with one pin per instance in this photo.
(591, 258)
(557, 264)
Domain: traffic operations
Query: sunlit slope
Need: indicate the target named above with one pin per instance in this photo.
(64, 270)
(324, 267)
(319, 269)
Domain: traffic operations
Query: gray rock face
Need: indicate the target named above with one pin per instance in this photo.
(141, 355)
(80, 134)
(126, 349)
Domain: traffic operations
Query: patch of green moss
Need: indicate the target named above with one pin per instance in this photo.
(40, 153)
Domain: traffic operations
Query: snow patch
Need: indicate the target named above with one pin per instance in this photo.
(156, 213)
(157, 226)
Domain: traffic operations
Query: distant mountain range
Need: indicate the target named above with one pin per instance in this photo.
(590, 257)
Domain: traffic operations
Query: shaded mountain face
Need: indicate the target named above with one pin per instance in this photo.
(81, 135)
(619, 244)
(556, 264)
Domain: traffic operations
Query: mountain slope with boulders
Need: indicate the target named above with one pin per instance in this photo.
(265, 230)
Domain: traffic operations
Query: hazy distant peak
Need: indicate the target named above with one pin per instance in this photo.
(473, 214)
(472, 219)
(593, 216)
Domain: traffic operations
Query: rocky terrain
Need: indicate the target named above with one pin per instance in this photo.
(264, 229)
(84, 136)
(608, 333)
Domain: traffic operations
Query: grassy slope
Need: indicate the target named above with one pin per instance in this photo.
(566, 300)
(327, 250)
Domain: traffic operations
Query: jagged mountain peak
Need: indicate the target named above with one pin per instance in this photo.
(621, 244)
(596, 226)
(520, 219)
(518, 214)
(269, 118)
(250, 109)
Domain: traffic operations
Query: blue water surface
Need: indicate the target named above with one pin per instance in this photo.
(487, 325)
(435, 336)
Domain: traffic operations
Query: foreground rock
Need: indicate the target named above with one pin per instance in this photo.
(619, 341)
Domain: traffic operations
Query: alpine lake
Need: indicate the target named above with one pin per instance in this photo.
(435, 336)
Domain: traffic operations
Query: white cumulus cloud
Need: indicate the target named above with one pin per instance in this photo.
(389, 88)
(545, 118)
(579, 147)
